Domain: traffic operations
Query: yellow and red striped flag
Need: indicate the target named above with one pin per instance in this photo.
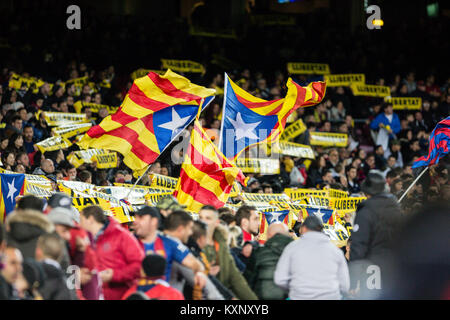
(206, 176)
(154, 111)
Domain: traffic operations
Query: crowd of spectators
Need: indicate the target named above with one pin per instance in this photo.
(213, 257)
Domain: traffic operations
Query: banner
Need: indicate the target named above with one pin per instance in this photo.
(337, 233)
(328, 139)
(78, 81)
(398, 103)
(16, 81)
(83, 156)
(265, 197)
(77, 185)
(182, 65)
(235, 189)
(159, 180)
(298, 194)
(139, 73)
(53, 143)
(61, 118)
(262, 166)
(293, 130)
(293, 149)
(319, 201)
(71, 130)
(345, 205)
(37, 179)
(106, 160)
(335, 193)
(308, 68)
(341, 80)
(152, 199)
(94, 107)
(370, 90)
(143, 189)
(137, 196)
(38, 190)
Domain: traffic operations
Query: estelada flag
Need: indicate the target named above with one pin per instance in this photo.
(155, 110)
(11, 185)
(438, 145)
(206, 176)
(248, 120)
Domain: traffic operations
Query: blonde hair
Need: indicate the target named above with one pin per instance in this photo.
(51, 246)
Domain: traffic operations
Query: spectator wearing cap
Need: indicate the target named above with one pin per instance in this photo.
(146, 224)
(312, 268)
(61, 200)
(376, 223)
(152, 281)
(62, 218)
(166, 206)
(118, 252)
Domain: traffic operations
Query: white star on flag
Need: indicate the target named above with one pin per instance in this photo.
(244, 129)
(175, 124)
(12, 190)
(275, 217)
(319, 214)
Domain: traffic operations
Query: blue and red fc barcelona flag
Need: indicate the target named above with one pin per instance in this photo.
(438, 146)
(11, 186)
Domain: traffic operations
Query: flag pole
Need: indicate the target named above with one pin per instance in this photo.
(139, 179)
(412, 184)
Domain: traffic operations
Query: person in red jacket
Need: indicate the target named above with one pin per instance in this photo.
(119, 254)
(152, 281)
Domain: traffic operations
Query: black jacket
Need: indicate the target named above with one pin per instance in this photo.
(376, 224)
(260, 271)
(6, 290)
(55, 285)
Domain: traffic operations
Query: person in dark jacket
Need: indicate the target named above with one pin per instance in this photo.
(260, 277)
(10, 272)
(49, 250)
(24, 228)
(377, 221)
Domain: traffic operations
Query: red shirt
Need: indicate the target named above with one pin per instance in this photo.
(159, 289)
(246, 236)
(117, 249)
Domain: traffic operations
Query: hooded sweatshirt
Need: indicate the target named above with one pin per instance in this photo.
(312, 268)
